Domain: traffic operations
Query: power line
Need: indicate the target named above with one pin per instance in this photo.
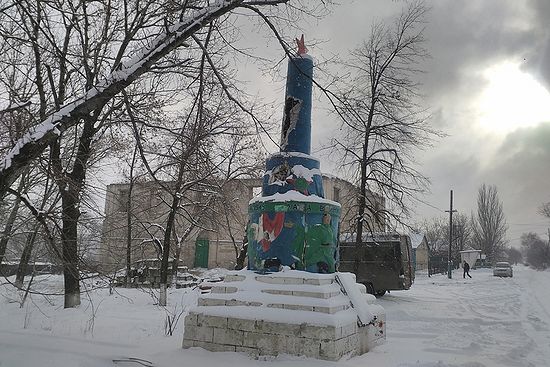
(432, 206)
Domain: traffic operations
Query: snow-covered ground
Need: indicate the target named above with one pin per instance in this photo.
(440, 322)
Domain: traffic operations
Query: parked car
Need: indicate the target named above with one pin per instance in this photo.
(502, 269)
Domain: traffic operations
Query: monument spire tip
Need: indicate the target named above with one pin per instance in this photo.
(302, 49)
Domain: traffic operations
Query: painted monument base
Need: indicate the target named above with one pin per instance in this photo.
(324, 316)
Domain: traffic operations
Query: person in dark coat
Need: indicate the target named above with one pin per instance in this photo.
(466, 267)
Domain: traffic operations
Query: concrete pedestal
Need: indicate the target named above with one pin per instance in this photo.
(291, 312)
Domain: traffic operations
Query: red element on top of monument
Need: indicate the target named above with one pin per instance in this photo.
(302, 50)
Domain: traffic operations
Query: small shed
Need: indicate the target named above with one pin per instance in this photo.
(470, 256)
(420, 251)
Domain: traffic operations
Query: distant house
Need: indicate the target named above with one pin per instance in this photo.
(420, 250)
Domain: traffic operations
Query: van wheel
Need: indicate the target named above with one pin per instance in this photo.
(370, 288)
(380, 293)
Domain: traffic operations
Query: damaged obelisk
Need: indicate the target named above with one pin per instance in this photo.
(291, 223)
(290, 300)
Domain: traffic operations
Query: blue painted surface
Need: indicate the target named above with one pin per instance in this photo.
(298, 90)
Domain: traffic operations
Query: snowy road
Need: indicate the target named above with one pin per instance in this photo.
(484, 321)
(480, 322)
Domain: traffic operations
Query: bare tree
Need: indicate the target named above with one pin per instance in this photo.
(436, 231)
(489, 223)
(437, 234)
(81, 56)
(10, 221)
(48, 200)
(545, 210)
(195, 162)
(514, 255)
(462, 233)
(383, 122)
(536, 251)
(143, 34)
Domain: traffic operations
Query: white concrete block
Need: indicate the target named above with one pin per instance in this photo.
(302, 346)
(190, 320)
(298, 307)
(242, 324)
(317, 281)
(234, 278)
(211, 302)
(317, 332)
(278, 291)
(322, 309)
(212, 321)
(228, 336)
(293, 345)
(347, 330)
(187, 343)
(349, 344)
(293, 280)
(197, 333)
(329, 351)
(222, 289)
(310, 294)
(271, 345)
(235, 302)
(268, 279)
(217, 289)
(364, 343)
(278, 328)
(250, 339)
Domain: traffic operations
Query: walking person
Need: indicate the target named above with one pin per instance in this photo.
(466, 267)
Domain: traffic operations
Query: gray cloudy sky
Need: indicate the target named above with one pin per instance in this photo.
(486, 86)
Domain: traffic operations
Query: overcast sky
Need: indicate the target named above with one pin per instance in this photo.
(487, 85)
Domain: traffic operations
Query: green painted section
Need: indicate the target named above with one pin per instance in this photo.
(302, 235)
(201, 253)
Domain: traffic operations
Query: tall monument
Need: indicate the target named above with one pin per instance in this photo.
(311, 311)
(291, 223)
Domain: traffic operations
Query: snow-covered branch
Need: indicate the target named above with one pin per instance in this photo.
(33, 143)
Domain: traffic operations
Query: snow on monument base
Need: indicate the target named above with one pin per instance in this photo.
(324, 316)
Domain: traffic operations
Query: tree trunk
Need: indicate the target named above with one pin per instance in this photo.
(70, 186)
(242, 255)
(25, 257)
(129, 220)
(162, 295)
(71, 276)
(175, 265)
(362, 204)
(363, 185)
(9, 223)
(129, 229)
(166, 249)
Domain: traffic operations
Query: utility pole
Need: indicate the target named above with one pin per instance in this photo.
(450, 211)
